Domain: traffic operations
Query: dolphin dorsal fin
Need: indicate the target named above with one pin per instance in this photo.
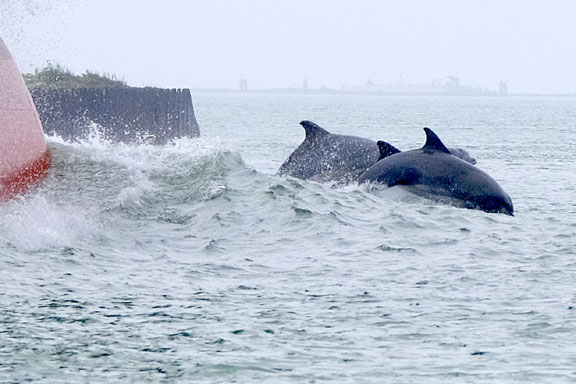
(433, 142)
(387, 149)
(312, 129)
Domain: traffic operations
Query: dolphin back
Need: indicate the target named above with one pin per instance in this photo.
(462, 154)
(434, 172)
(324, 156)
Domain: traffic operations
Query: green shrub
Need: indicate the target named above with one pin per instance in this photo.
(56, 76)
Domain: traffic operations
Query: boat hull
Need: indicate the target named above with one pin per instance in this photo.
(24, 155)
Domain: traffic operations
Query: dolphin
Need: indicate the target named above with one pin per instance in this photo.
(433, 172)
(462, 154)
(387, 149)
(325, 156)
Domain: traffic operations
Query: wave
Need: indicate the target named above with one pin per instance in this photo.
(94, 182)
(198, 195)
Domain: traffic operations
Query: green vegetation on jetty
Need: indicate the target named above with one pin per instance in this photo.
(56, 76)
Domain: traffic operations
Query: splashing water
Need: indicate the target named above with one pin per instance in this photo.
(195, 262)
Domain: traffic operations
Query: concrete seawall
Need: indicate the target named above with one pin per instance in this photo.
(129, 115)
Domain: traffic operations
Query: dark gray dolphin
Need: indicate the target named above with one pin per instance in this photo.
(387, 149)
(462, 154)
(325, 156)
(434, 173)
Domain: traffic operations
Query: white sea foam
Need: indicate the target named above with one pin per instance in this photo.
(32, 223)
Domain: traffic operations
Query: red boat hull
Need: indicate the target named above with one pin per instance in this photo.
(24, 155)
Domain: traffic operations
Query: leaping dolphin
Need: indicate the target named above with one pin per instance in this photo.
(325, 156)
(432, 171)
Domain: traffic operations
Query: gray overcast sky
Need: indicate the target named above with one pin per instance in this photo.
(189, 43)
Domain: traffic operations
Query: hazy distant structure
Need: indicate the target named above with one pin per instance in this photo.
(502, 88)
(243, 84)
(305, 84)
(398, 88)
(447, 86)
(452, 85)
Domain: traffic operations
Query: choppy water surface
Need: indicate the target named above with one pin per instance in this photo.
(195, 262)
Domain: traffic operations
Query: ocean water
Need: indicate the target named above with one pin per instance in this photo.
(195, 262)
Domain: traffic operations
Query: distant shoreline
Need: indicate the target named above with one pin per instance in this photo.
(327, 91)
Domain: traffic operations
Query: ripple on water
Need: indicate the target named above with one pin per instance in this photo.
(180, 263)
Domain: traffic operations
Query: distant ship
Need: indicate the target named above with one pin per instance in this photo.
(24, 155)
(447, 86)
